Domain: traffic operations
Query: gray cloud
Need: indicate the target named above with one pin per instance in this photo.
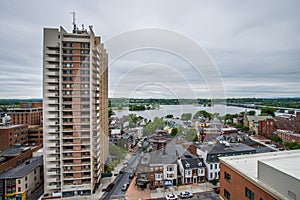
(255, 45)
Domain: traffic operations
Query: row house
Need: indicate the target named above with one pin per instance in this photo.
(211, 152)
(288, 136)
(160, 168)
(192, 170)
(22, 181)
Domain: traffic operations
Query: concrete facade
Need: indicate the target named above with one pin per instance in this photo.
(75, 94)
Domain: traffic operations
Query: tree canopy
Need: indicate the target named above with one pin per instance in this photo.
(202, 113)
(186, 116)
(151, 127)
(268, 111)
(190, 134)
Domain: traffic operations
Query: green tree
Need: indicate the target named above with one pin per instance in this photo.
(276, 138)
(110, 112)
(202, 113)
(252, 112)
(190, 134)
(151, 127)
(229, 118)
(196, 139)
(186, 116)
(132, 119)
(179, 130)
(292, 145)
(169, 116)
(268, 111)
(174, 131)
(117, 152)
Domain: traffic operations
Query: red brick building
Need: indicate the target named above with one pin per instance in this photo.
(30, 113)
(15, 155)
(35, 135)
(266, 127)
(288, 136)
(13, 134)
(266, 176)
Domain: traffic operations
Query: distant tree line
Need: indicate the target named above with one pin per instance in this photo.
(275, 102)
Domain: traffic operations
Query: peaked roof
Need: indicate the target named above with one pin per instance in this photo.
(192, 163)
(23, 169)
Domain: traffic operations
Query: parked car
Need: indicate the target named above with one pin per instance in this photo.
(109, 187)
(131, 176)
(122, 171)
(171, 197)
(217, 190)
(125, 186)
(186, 194)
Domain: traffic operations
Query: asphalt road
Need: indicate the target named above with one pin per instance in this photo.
(37, 193)
(123, 178)
(201, 196)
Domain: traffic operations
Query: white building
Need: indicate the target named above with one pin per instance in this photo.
(211, 153)
(192, 170)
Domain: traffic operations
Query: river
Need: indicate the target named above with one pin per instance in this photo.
(178, 110)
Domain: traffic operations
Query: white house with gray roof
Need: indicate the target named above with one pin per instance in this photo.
(211, 153)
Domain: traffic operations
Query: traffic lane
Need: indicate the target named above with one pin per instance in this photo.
(107, 195)
(118, 186)
(37, 193)
(120, 180)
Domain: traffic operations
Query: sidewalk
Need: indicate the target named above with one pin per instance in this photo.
(193, 188)
(107, 180)
(135, 193)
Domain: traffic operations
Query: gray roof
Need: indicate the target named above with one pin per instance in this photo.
(217, 150)
(15, 150)
(169, 154)
(257, 118)
(23, 169)
(192, 163)
(11, 126)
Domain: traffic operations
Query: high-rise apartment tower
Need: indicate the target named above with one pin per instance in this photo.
(75, 121)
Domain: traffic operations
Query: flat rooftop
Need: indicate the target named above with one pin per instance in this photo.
(10, 126)
(15, 150)
(285, 161)
(23, 169)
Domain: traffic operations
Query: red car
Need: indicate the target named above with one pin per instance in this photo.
(109, 187)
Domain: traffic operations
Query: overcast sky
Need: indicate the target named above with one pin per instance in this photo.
(254, 44)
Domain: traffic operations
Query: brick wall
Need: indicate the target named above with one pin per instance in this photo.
(237, 184)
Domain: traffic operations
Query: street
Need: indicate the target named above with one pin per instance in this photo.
(123, 178)
(202, 196)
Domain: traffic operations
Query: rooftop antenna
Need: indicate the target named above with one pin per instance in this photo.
(74, 17)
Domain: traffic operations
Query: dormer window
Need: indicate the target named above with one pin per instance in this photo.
(200, 164)
(187, 165)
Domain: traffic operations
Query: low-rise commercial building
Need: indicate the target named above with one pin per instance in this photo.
(11, 135)
(269, 176)
(30, 113)
(16, 155)
(288, 136)
(20, 182)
